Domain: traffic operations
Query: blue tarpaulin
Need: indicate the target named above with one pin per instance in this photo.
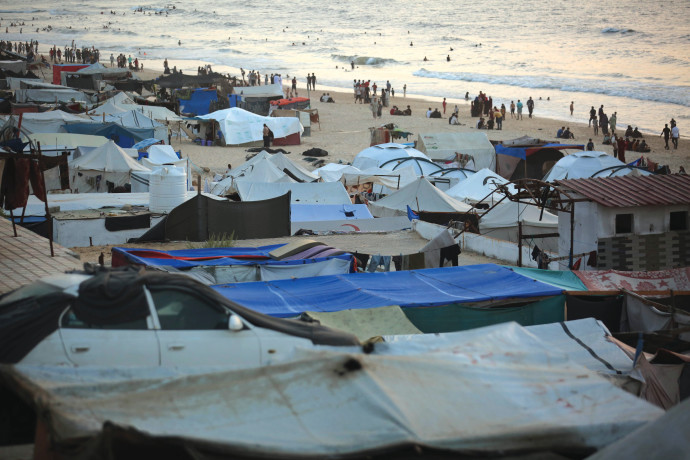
(199, 101)
(415, 288)
(206, 257)
(146, 143)
(319, 212)
(124, 137)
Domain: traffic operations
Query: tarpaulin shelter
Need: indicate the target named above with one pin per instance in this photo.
(122, 103)
(479, 187)
(239, 126)
(69, 140)
(59, 68)
(107, 163)
(257, 99)
(529, 161)
(376, 155)
(46, 122)
(472, 284)
(303, 193)
(197, 102)
(135, 119)
(123, 136)
(50, 96)
(586, 164)
(419, 195)
(446, 146)
(206, 216)
(506, 373)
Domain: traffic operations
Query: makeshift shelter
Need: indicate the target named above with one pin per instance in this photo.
(502, 222)
(206, 216)
(377, 155)
(107, 163)
(162, 154)
(256, 99)
(50, 96)
(263, 171)
(239, 126)
(137, 120)
(306, 193)
(59, 68)
(529, 161)
(68, 140)
(586, 164)
(196, 101)
(448, 146)
(419, 195)
(296, 171)
(377, 398)
(122, 103)
(46, 122)
(480, 187)
(123, 136)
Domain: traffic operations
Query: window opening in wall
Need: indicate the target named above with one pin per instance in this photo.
(624, 223)
(678, 221)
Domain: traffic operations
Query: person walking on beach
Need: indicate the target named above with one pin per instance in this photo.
(519, 110)
(268, 136)
(313, 81)
(374, 106)
(592, 116)
(572, 107)
(294, 84)
(112, 60)
(512, 109)
(530, 106)
(595, 124)
(444, 105)
(405, 90)
(612, 122)
(675, 134)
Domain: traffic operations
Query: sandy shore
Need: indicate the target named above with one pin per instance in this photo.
(344, 132)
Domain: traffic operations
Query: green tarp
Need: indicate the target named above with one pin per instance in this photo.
(566, 279)
(456, 317)
(366, 323)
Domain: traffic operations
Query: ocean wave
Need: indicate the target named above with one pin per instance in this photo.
(615, 30)
(363, 60)
(30, 11)
(620, 88)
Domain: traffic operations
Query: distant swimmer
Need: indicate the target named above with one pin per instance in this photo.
(425, 59)
(411, 43)
(179, 42)
(451, 48)
(448, 58)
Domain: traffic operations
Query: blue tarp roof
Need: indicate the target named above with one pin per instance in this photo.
(199, 102)
(143, 145)
(188, 258)
(124, 137)
(414, 288)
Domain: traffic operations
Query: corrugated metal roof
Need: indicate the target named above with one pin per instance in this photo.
(627, 191)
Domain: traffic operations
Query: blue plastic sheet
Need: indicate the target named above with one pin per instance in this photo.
(415, 288)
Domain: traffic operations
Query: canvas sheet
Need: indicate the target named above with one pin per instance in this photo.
(319, 212)
(677, 279)
(413, 288)
(240, 126)
(367, 322)
(312, 193)
(585, 341)
(498, 374)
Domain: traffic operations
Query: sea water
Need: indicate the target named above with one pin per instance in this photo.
(631, 56)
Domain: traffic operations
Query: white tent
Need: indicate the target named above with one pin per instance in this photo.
(445, 146)
(47, 122)
(332, 172)
(135, 119)
(392, 180)
(501, 223)
(585, 164)
(420, 195)
(262, 171)
(299, 172)
(307, 193)
(162, 154)
(109, 162)
(122, 103)
(68, 140)
(239, 126)
(478, 186)
(378, 155)
(272, 90)
(50, 96)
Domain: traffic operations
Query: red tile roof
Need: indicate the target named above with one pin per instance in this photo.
(628, 191)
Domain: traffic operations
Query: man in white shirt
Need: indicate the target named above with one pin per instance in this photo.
(675, 134)
(429, 112)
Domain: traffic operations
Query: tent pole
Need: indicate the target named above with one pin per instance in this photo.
(572, 231)
(519, 243)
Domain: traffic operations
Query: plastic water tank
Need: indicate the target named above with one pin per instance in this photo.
(167, 187)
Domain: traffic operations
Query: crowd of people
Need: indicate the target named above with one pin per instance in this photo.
(74, 54)
(364, 91)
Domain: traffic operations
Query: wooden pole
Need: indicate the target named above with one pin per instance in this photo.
(519, 243)
(572, 232)
(48, 216)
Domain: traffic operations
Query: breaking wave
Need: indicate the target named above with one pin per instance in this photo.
(620, 88)
(363, 60)
(614, 30)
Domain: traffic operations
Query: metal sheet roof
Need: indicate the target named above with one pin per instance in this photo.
(627, 191)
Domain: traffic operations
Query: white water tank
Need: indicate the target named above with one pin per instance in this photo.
(167, 188)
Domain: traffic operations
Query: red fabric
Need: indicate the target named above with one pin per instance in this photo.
(37, 185)
(677, 279)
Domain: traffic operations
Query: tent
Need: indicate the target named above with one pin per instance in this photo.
(294, 170)
(205, 216)
(162, 154)
(524, 397)
(587, 164)
(306, 193)
(68, 140)
(239, 126)
(50, 96)
(122, 103)
(377, 155)
(478, 187)
(136, 120)
(445, 146)
(198, 102)
(107, 163)
(532, 161)
(501, 222)
(123, 136)
(351, 176)
(47, 122)
(419, 195)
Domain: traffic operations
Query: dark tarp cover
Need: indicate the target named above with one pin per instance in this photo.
(414, 288)
(456, 317)
(202, 217)
(124, 137)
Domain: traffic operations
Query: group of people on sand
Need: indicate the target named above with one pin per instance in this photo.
(365, 90)
(74, 54)
(405, 113)
(673, 132)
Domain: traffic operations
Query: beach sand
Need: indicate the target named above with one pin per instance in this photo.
(344, 131)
